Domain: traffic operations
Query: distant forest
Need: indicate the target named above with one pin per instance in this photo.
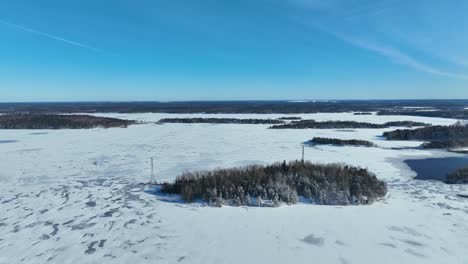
(443, 108)
(341, 142)
(303, 124)
(271, 185)
(49, 121)
(440, 137)
(429, 133)
(461, 114)
(220, 121)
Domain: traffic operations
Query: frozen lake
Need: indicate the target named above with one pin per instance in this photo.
(71, 196)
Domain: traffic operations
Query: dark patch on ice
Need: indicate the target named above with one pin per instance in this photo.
(414, 253)
(132, 221)
(16, 229)
(91, 248)
(446, 206)
(111, 225)
(69, 222)
(43, 211)
(39, 133)
(181, 258)
(339, 242)
(388, 245)
(413, 243)
(45, 237)
(12, 199)
(32, 225)
(406, 230)
(29, 150)
(7, 141)
(56, 229)
(102, 242)
(28, 215)
(313, 240)
(110, 212)
(91, 204)
(82, 226)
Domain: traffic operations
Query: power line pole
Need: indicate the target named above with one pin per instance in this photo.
(302, 153)
(152, 171)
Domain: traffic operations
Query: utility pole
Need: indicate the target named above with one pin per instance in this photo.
(302, 153)
(152, 172)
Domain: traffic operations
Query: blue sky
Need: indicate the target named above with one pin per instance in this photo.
(79, 50)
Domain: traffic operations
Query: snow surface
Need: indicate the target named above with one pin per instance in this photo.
(75, 196)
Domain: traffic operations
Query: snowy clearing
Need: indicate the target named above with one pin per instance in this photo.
(75, 196)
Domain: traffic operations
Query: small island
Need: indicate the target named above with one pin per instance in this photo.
(54, 121)
(362, 113)
(438, 137)
(280, 183)
(341, 142)
(290, 118)
(458, 177)
(200, 120)
(303, 124)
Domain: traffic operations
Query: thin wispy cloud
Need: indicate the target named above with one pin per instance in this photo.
(395, 55)
(43, 34)
(349, 22)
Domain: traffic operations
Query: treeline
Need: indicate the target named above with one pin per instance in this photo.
(405, 124)
(341, 142)
(290, 118)
(458, 177)
(429, 133)
(439, 137)
(216, 107)
(303, 124)
(272, 185)
(220, 121)
(449, 113)
(446, 144)
(49, 121)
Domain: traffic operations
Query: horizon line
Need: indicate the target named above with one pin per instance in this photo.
(222, 100)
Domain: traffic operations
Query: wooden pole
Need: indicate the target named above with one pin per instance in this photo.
(152, 172)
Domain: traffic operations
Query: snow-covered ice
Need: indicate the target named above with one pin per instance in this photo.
(76, 196)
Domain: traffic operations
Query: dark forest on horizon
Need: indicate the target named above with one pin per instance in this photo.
(439, 108)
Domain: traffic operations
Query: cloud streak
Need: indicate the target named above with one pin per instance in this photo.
(43, 34)
(346, 21)
(395, 55)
